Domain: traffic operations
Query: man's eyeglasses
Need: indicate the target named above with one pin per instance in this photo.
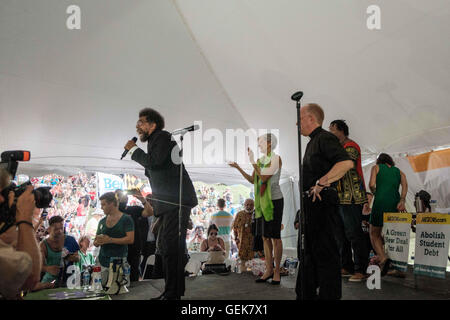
(140, 122)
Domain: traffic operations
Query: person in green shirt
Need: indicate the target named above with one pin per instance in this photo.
(58, 251)
(114, 233)
(385, 180)
(86, 259)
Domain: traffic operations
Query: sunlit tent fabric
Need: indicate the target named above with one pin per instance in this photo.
(72, 96)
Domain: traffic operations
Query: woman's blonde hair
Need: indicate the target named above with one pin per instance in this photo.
(82, 238)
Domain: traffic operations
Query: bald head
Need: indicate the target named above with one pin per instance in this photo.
(311, 117)
(316, 111)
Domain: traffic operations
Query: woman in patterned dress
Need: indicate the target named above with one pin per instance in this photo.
(242, 228)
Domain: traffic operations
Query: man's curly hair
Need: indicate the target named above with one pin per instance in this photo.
(153, 116)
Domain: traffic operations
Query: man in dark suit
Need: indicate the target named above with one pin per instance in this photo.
(163, 171)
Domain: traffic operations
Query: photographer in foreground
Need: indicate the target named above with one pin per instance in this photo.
(20, 259)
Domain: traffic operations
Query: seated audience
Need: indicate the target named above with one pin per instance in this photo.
(86, 258)
(59, 251)
(213, 242)
(195, 243)
(214, 245)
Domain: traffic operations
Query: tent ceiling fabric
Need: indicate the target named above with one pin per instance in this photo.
(72, 97)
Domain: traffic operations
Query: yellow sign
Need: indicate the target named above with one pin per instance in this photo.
(132, 182)
(397, 217)
(433, 218)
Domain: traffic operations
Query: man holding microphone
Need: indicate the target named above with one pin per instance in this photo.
(163, 172)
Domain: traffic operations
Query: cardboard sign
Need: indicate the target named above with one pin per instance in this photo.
(396, 232)
(431, 254)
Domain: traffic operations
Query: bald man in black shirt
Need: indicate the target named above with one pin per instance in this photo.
(324, 163)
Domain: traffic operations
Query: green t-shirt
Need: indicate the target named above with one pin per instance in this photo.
(85, 260)
(110, 250)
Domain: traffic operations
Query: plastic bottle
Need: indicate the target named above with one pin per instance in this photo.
(62, 267)
(287, 265)
(292, 267)
(86, 278)
(126, 271)
(238, 266)
(97, 279)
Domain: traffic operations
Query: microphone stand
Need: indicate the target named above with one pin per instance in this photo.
(180, 247)
(181, 252)
(301, 246)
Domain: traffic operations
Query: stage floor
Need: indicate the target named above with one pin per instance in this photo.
(243, 287)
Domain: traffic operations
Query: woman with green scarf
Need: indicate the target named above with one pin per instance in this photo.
(268, 203)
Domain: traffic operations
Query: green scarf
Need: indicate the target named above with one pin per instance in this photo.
(263, 203)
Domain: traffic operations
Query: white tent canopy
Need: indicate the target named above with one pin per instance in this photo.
(72, 96)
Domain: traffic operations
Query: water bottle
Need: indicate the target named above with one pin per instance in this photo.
(86, 278)
(126, 271)
(418, 203)
(433, 205)
(287, 264)
(238, 266)
(293, 267)
(97, 279)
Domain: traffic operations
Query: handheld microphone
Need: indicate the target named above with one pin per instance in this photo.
(185, 130)
(126, 151)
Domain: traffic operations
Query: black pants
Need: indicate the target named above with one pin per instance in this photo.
(147, 251)
(172, 249)
(134, 255)
(258, 244)
(322, 267)
(351, 215)
(158, 270)
(344, 245)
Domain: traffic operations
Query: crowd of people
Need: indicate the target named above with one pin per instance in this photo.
(206, 213)
(75, 230)
(74, 199)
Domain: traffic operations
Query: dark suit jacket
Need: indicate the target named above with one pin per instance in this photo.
(164, 174)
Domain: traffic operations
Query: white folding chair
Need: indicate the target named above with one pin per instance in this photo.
(150, 261)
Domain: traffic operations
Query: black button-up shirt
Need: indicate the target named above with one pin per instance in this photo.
(322, 152)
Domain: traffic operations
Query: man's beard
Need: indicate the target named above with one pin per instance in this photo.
(143, 136)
